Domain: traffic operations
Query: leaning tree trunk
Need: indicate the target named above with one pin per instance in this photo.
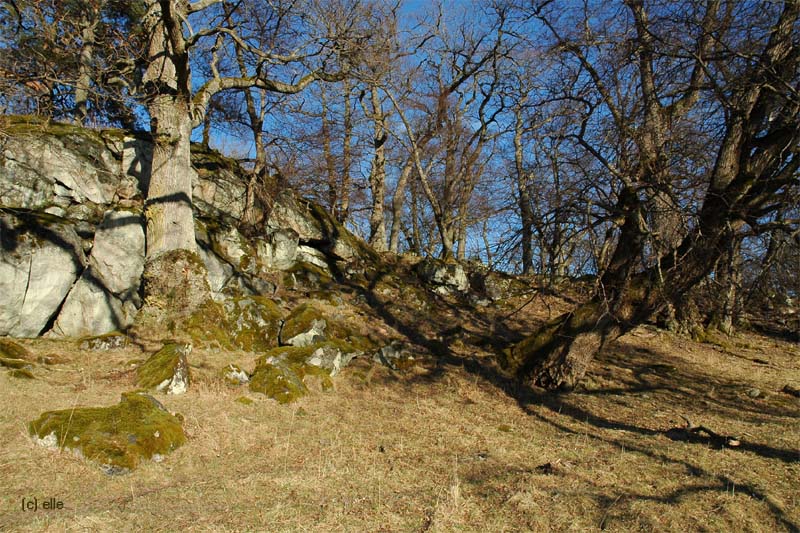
(558, 355)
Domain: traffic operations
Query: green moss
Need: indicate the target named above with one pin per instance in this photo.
(514, 357)
(158, 371)
(244, 400)
(209, 325)
(284, 373)
(301, 320)
(13, 350)
(338, 235)
(254, 322)
(249, 323)
(21, 373)
(118, 437)
(314, 373)
(278, 381)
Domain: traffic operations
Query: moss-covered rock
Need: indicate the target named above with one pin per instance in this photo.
(249, 323)
(445, 277)
(307, 325)
(209, 325)
(305, 275)
(117, 437)
(254, 322)
(304, 326)
(279, 381)
(285, 373)
(166, 370)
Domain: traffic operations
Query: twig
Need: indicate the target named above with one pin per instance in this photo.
(608, 509)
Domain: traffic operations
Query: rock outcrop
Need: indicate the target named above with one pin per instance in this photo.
(72, 231)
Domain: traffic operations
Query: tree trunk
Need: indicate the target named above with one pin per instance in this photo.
(524, 199)
(327, 153)
(558, 355)
(377, 175)
(729, 279)
(398, 202)
(84, 70)
(175, 278)
(343, 212)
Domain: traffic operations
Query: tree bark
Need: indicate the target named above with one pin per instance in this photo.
(398, 202)
(524, 197)
(377, 174)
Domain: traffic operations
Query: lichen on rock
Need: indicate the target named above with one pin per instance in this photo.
(109, 341)
(117, 437)
(284, 373)
(166, 370)
(234, 375)
(249, 323)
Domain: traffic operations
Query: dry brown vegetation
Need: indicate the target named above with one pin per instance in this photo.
(447, 445)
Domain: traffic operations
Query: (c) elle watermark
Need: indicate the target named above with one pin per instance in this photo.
(41, 504)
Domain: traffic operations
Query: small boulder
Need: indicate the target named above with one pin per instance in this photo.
(234, 375)
(117, 437)
(279, 249)
(103, 343)
(166, 370)
(278, 380)
(445, 277)
(283, 373)
(394, 355)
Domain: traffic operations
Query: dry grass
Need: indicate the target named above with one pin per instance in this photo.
(445, 446)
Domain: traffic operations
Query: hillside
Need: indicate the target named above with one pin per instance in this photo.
(445, 443)
(327, 387)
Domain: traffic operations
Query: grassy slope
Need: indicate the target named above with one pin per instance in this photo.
(448, 445)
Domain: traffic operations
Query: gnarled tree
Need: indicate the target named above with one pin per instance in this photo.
(724, 74)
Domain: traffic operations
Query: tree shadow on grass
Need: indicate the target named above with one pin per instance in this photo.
(653, 373)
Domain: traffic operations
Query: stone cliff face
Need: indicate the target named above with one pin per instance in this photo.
(72, 235)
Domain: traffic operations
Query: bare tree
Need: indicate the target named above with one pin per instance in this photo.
(744, 82)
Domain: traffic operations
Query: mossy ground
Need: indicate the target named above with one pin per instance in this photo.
(117, 437)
